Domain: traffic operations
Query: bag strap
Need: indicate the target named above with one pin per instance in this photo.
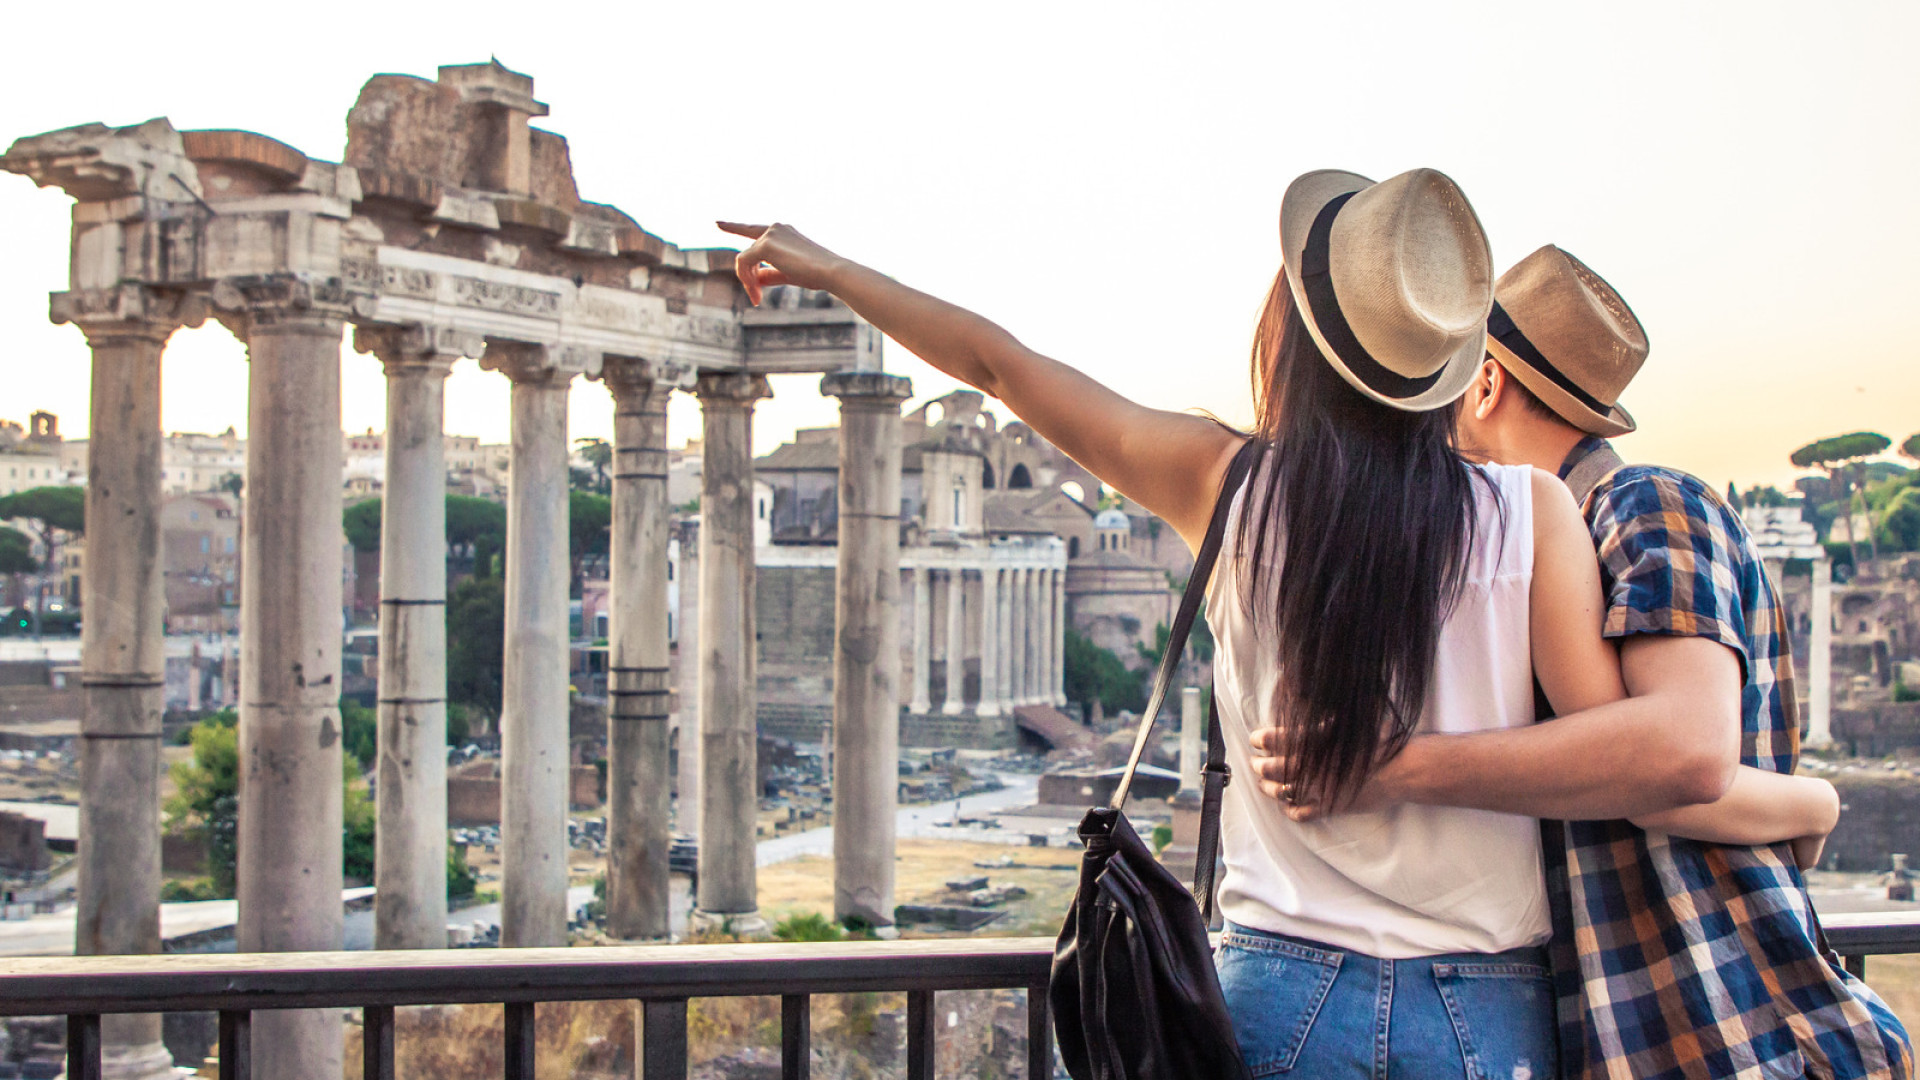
(1190, 602)
(1214, 777)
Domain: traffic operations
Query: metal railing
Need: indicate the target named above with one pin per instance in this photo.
(661, 978)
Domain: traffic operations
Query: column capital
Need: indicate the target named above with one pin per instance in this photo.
(417, 346)
(125, 311)
(635, 386)
(737, 387)
(537, 362)
(266, 301)
(871, 388)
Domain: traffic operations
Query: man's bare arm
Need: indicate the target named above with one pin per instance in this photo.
(1675, 741)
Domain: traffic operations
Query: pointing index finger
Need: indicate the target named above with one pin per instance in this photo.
(751, 232)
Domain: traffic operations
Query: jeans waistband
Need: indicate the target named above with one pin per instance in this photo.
(1524, 954)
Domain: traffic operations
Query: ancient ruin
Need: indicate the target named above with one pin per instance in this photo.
(449, 228)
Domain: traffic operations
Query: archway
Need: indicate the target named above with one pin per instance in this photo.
(1019, 477)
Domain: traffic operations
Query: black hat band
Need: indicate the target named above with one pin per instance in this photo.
(1500, 328)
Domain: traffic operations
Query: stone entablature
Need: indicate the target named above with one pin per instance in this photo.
(438, 217)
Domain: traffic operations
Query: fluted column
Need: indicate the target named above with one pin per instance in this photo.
(1057, 678)
(639, 780)
(989, 704)
(866, 650)
(1043, 675)
(123, 674)
(956, 651)
(534, 761)
(1820, 658)
(922, 702)
(1023, 601)
(1008, 640)
(290, 617)
(410, 847)
(729, 788)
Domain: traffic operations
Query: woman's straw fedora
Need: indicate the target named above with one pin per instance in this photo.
(1394, 281)
(1568, 337)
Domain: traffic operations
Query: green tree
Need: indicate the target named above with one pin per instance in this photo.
(359, 733)
(361, 522)
(1899, 525)
(16, 552)
(206, 800)
(55, 513)
(476, 643)
(1096, 674)
(1764, 495)
(356, 827)
(461, 880)
(589, 517)
(598, 454)
(1841, 458)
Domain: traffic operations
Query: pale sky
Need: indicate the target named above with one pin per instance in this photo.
(1103, 179)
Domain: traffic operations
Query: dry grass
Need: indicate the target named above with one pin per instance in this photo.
(804, 885)
(574, 1040)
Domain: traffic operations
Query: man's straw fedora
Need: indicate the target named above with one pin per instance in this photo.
(1568, 337)
(1394, 281)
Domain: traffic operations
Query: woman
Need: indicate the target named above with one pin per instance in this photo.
(1415, 590)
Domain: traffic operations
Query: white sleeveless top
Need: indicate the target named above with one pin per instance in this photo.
(1413, 880)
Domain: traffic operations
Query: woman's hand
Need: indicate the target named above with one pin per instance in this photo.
(779, 255)
(1270, 769)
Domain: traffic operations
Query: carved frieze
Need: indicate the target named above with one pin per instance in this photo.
(498, 296)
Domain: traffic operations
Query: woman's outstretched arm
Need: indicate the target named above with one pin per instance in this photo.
(1169, 462)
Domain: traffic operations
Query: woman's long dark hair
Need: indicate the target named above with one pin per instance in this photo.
(1357, 526)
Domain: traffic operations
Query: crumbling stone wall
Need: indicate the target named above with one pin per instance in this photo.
(1880, 814)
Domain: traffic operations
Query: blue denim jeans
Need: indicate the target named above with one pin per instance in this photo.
(1301, 1008)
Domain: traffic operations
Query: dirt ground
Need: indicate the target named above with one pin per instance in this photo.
(804, 885)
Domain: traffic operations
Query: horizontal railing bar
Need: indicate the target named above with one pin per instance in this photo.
(1873, 932)
(40, 986)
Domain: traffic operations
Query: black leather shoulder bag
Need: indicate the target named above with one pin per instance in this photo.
(1133, 990)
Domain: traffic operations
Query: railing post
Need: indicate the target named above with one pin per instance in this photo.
(83, 1046)
(796, 1037)
(236, 1044)
(376, 1042)
(519, 1038)
(920, 1035)
(1856, 965)
(663, 1039)
(1039, 1035)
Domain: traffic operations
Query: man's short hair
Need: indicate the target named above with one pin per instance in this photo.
(1529, 400)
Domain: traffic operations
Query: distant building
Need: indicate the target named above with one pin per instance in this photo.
(200, 546)
(31, 457)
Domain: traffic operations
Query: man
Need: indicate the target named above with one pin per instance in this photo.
(1673, 958)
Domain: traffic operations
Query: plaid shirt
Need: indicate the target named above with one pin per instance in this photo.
(1678, 959)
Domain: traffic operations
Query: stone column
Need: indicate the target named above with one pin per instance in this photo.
(534, 761)
(1043, 673)
(1057, 682)
(1029, 634)
(989, 704)
(956, 654)
(729, 752)
(866, 694)
(1007, 619)
(122, 675)
(410, 849)
(922, 702)
(639, 779)
(290, 624)
(1820, 659)
(1193, 739)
